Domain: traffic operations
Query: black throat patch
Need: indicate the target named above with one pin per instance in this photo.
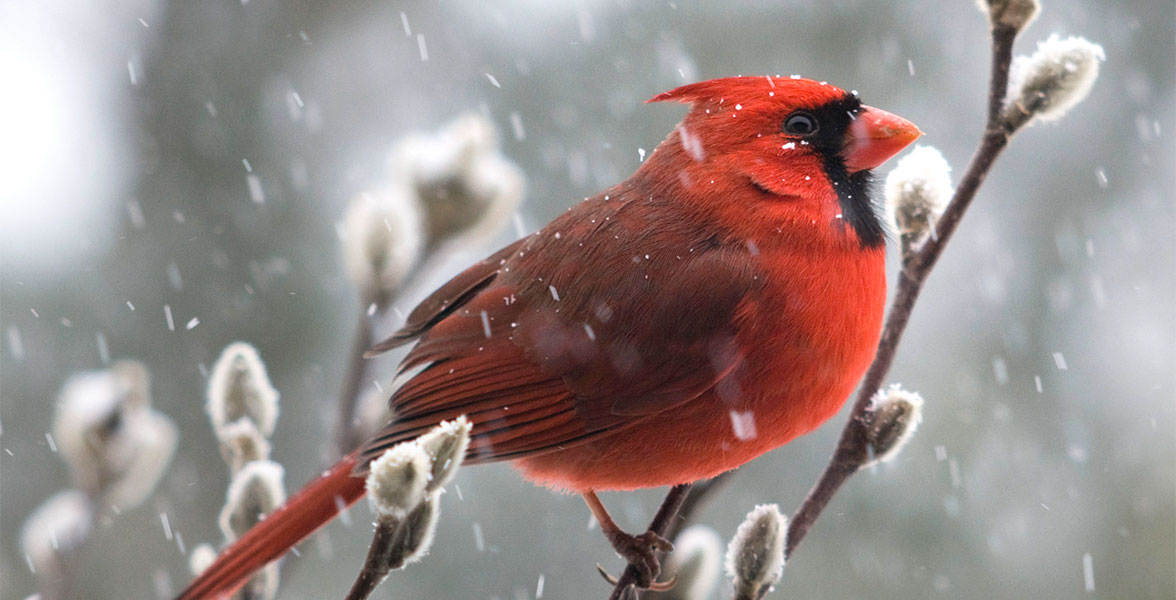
(857, 209)
(853, 190)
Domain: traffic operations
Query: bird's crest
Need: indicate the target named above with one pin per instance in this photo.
(753, 90)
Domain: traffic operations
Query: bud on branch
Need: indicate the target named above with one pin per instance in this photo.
(891, 420)
(1051, 81)
(755, 556)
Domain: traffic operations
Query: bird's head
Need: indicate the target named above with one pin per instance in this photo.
(789, 137)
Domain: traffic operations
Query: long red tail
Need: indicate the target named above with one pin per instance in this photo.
(312, 507)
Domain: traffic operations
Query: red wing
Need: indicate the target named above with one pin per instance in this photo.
(473, 367)
(551, 348)
(446, 299)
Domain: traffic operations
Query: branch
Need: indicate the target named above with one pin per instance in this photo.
(852, 448)
(699, 495)
(376, 566)
(659, 525)
(1003, 37)
(345, 437)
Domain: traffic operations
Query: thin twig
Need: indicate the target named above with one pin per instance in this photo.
(345, 438)
(696, 500)
(699, 495)
(1003, 37)
(669, 509)
(851, 450)
(376, 566)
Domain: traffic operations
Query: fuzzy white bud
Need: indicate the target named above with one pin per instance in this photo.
(917, 192)
(694, 563)
(116, 446)
(135, 382)
(155, 438)
(263, 585)
(415, 534)
(755, 556)
(445, 445)
(465, 185)
(397, 480)
(242, 443)
(1017, 14)
(1048, 83)
(255, 491)
(200, 558)
(893, 417)
(89, 429)
(240, 388)
(397, 541)
(383, 239)
(54, 529)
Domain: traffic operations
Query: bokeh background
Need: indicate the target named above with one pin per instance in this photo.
(123, 130)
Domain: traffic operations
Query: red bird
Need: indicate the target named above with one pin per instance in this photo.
(720, 302)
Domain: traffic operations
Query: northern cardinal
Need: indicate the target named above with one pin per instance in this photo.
(721, 301)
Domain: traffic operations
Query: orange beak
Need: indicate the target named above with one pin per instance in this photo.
(874, 136)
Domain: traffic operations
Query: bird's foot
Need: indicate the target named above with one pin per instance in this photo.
(655, 586)
(641, 552)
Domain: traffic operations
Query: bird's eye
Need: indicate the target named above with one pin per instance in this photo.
(800, 123)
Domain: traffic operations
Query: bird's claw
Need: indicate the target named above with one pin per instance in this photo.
(664, 586)
(606, 575)
(641, 552)
(656, 586)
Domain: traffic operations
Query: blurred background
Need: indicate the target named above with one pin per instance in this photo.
(196, 158)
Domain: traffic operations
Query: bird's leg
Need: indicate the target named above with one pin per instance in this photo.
(640, 550)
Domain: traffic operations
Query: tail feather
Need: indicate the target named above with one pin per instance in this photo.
(312, 507)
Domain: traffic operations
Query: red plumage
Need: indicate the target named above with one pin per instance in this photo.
(715, 305)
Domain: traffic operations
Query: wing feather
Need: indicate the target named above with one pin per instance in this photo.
(446, 299)
(543, 348)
